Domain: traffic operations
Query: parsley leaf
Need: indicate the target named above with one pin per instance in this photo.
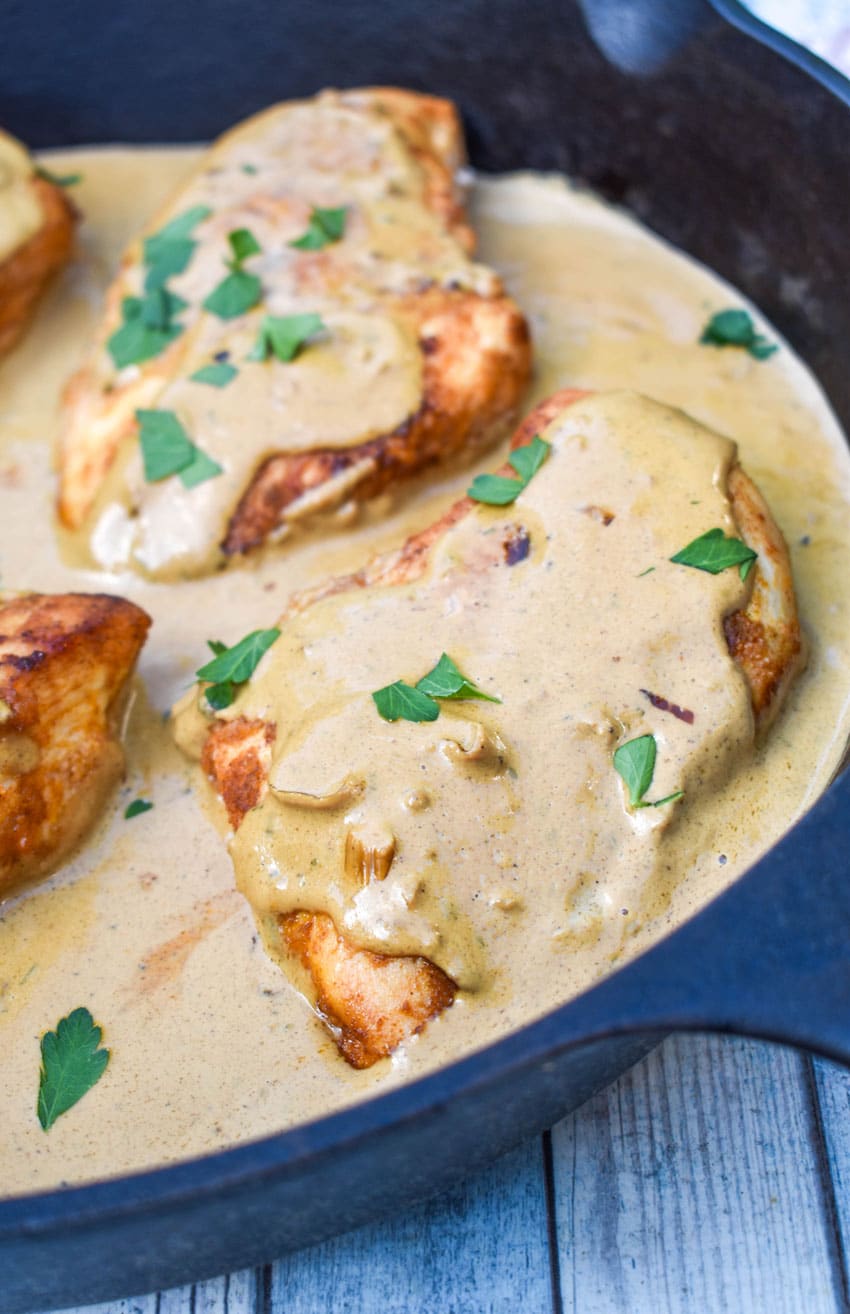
(324, 228)
(239, 291)
(217, 374)
(234, 295)
(231, 666)
(500, 490)
(634, 762)
(136, 808)
(401, 701)
(58, 179)
(243, 244)
(167, 450)
(147, 327)
(284, 335)
(169, 251)
(446, 681)
(714, 552)
(735, 328)
(71, 1063)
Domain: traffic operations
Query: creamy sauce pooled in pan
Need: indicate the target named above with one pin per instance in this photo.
(210, 1043)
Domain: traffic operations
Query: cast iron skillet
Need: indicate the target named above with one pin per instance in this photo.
(731, 142)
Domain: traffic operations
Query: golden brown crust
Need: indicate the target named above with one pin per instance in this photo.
(476, 356)
(370, 1002)
(26, 273)
(237, 758)
(764, 638)
(64, 662)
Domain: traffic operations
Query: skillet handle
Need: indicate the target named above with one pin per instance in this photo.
(769, 958)
(640, 36)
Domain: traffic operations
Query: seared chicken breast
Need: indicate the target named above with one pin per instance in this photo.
(36, 238)
(65, 660)
(371, 1001)
(307, 316)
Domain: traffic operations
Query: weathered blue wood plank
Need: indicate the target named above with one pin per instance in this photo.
(832, 1084)
(480, 1249)
(694, 1184)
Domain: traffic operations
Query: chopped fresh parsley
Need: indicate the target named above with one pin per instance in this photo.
(71, 1063)
(405, 702)
(324, 228)
(233, 666)
(249, 168)
(714, 552)
(446, 681)
(147, 328)
(634, 762)
(217, 374)
(167, 450)
(735, 328)
(58, 179)
(283, 336)
(401, 702)
(136, 808)
(169, 251)
(501, 490)
(239, 291)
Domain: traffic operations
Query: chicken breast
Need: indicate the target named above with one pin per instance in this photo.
(371, 1001)
(37, 224)
(65, 661)
(343, 211)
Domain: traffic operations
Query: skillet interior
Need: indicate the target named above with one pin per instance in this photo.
(734, 154)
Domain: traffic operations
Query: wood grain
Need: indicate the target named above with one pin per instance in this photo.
(694, 1184)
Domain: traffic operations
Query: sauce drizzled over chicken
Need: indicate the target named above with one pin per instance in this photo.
(65, 660)
(36, 238)
(415, 353)
(382, 855)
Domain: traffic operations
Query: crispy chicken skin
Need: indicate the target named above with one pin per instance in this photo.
(26, 272)
(64, 663)
(370, 1002)
(471, 341)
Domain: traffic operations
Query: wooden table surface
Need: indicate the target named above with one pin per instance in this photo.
(714, 1178)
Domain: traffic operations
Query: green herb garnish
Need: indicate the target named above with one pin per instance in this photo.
(401, 702)
(233, 666)
(147, 329)
(446, 681)
(239, 291)
(714, 552)
(283, 336)
(71, 1063)
(735, 328)
(324, 228)
(58, 179)
(500, 490)
(136, 808)
(634, 761)
(217, 374)
(169, 251)
(167, 450)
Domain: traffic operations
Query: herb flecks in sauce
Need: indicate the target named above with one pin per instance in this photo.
(735, 328)
(168, 251)
(446, 681)
(239, 291)
(501, 490)
(284, 336)
(325, 227)
(714, 552)
(71, 1063)
(136, 808)
(167, 450)
(634, 762)
(404, 702)
(231, 667)
(147, 327)
(58, 179)
(217, 374)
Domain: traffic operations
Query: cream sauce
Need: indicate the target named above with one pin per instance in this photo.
(210, 1043)
(20, 211)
